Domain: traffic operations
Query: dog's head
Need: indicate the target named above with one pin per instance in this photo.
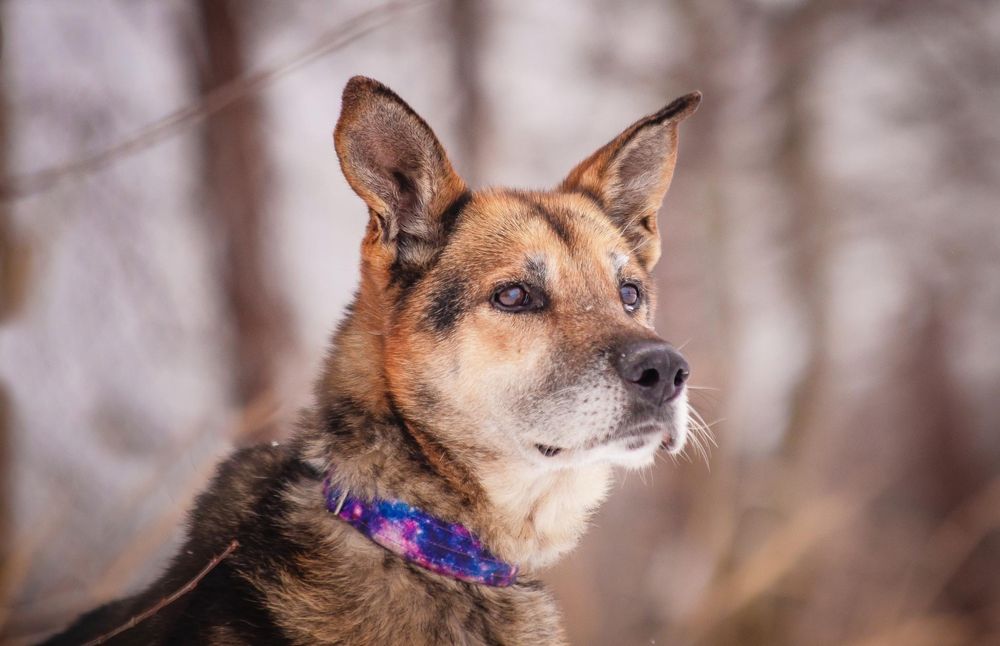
(515, 323)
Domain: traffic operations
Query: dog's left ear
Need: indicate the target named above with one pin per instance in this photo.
(629, 176)
(393, 161)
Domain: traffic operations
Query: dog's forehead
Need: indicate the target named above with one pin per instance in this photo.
(545, 228)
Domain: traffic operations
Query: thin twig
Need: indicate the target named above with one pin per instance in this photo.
(20, 186)
(166, 601)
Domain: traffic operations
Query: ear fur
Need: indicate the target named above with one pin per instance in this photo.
(630, 175)
(393, 161)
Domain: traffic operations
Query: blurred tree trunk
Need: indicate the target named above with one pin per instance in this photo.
(236, 188)
(7, 288)
(467, 25)
(14, 281)
(808, 230)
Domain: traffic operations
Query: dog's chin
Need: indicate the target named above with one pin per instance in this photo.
(639, 449)
(633, 452)
(635, 449)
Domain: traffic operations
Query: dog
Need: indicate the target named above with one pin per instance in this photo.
(497, 362)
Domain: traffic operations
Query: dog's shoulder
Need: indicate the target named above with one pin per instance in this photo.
(240, 482)
(222, 513)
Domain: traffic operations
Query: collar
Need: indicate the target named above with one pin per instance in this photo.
(446, 548)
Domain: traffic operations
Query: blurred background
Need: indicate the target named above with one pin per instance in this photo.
(177, 242)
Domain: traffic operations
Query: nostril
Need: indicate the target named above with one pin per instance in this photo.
(649, 378)
(681, 376)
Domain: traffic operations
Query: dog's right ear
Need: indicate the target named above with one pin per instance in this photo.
(630, 175)
(393, 161)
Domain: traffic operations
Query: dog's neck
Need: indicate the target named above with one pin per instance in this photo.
(523, 515)
(538, 517)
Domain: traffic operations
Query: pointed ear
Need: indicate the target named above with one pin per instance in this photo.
(629, 176)
(393, 161)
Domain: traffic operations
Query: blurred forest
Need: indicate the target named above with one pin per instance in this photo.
(177, 242)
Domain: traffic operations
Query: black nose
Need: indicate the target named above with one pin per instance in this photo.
(652, 369)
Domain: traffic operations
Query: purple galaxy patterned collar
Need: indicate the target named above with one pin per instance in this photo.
(445, 548)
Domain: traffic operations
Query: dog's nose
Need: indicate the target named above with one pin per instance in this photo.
(652, 369)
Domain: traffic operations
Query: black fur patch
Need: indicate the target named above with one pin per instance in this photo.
(451, 214)
(676, 107)
(447, 305)
(590, 195)
(555, 222)
(413, 451)
(264, 546)
(224, 598)
(405, 275)
(340, 413)
(478, 620)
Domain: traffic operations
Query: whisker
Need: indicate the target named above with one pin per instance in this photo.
(641, 244)
(705, 426)
(701, 435)
(625, 227)
(709, 426)
(696, 442)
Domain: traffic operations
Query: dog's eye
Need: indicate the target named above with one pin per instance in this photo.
(515, 298)
(630, 296)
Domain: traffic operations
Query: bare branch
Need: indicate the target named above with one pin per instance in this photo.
(21, 186)
(166, 601)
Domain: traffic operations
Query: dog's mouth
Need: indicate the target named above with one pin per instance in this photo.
(636, 437)
(671, 442)
(633, 441)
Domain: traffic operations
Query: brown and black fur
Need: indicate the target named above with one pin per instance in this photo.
(432, 395)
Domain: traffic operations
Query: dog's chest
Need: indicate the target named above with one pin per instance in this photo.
(369, 596)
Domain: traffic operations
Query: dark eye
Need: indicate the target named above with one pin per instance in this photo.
(515, 298)
(630, 295)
